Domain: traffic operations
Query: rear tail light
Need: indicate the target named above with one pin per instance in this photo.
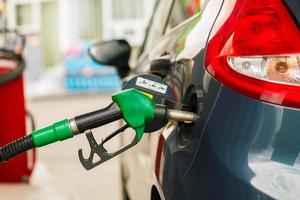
(256, 52)
(280, 69)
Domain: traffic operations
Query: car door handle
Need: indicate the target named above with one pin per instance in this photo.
(161, 66)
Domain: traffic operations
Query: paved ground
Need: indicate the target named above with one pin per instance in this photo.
(58, 174)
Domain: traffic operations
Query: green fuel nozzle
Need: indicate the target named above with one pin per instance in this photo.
(135, 107)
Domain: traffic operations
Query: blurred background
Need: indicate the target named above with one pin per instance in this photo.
(58, 33)
(61, 80)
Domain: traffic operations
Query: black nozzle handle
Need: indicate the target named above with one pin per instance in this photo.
(98, 118)
(16, 147)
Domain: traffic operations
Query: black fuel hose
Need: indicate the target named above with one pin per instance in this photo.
(16, 147)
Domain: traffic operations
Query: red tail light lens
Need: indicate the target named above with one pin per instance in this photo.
(256, 52)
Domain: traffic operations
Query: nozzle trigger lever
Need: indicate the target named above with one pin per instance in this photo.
(99, 149)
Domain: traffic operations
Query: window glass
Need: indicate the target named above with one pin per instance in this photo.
(24, 14)
(157, 24)
(184, 9)
(127, 9)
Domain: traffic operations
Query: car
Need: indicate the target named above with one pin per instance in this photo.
(236, 63)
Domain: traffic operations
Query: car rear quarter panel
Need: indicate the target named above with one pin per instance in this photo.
(250, 150)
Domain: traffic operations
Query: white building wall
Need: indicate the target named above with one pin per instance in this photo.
(73, 19)
(131, 29)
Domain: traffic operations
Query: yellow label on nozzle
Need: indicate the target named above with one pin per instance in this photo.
(147, 94)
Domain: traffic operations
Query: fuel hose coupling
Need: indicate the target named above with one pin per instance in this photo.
(56, 132)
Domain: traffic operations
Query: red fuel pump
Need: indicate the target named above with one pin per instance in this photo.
(13, 116)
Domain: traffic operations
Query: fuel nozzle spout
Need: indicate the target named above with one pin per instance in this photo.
(163, 114)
